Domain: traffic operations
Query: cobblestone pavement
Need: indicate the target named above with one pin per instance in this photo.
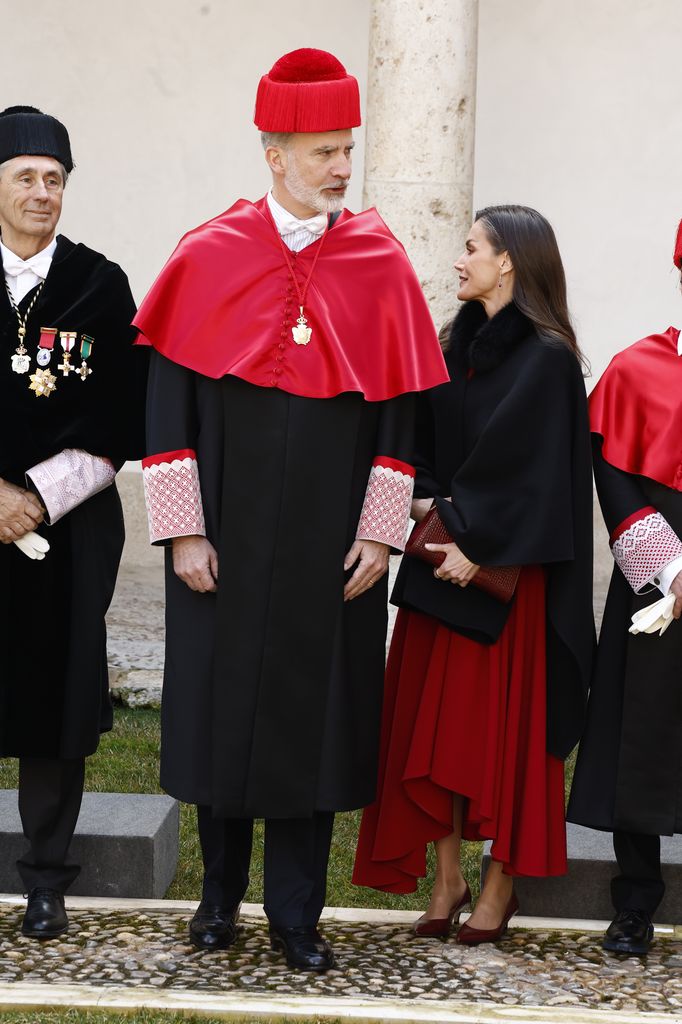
(149, 949)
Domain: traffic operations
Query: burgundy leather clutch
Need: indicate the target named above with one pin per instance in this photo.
(497, 581)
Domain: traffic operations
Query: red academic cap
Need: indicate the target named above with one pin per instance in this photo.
(677, 255)
(307, 91)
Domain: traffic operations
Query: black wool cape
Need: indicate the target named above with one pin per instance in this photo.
(54, 695)
(507, 439)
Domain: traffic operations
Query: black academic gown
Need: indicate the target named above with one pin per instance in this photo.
(628, 775)
(273, 685)
(507, 440)
(54, 698)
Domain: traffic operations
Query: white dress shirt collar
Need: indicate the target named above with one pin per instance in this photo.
(295, 232)
(23, 275)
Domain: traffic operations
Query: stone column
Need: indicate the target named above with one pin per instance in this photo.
(419, 161)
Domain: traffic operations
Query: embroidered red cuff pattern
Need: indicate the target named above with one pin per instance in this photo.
(173, 495)
(385, 514)
(644, 544)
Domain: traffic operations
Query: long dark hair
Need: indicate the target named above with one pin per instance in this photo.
(539, 278)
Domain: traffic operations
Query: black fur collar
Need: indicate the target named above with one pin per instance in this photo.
(482, 344)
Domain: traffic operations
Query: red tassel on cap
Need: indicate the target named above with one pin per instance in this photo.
(307, 90)
(677, 255)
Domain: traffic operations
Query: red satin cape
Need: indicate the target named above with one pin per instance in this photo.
(637, 408)
(225, 304)
(468, 718)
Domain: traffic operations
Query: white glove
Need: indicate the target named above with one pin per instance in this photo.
(655, 618)
(33, 545)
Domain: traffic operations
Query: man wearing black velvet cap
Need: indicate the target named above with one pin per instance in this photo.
(71, 412)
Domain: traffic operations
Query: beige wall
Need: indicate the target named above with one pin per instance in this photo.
(579, 113)
(158, 97)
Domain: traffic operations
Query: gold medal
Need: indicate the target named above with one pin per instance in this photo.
(21, 361)
(301, 332)
(43, 383)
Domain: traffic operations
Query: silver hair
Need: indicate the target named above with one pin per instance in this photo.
(65, 174)
(281, 139)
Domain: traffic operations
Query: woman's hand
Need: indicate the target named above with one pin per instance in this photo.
(20, 512)
(420, 506)
(195, 561)
(455, 567)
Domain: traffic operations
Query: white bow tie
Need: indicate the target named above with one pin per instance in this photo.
(39, 265)
(316, 225)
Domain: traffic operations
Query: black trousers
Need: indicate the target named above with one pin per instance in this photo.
(639, 886)
(294, 870)
(50, 795)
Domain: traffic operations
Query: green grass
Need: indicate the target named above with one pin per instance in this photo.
(127, 762)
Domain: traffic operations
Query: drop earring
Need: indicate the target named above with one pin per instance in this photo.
(499, 283)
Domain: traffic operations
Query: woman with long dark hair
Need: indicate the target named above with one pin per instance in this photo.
(484, 699)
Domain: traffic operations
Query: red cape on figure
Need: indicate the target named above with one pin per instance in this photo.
(218, 308)
(637, 408)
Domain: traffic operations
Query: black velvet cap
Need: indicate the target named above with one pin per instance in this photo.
(26, 131)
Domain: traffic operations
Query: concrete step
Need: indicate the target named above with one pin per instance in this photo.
(127, 844)
(585, 891)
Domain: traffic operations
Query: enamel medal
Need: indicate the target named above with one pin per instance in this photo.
(21, 360)
(84, 370)
(67, 339)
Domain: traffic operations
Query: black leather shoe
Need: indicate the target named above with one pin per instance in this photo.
(213, 927)
(303, 947)
(45, 916)
(631, 931)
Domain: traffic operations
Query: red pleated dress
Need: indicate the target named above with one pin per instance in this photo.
(462, 717)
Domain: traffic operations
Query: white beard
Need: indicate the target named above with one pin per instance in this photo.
(315, 198)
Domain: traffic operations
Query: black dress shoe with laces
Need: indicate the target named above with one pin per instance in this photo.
(303, 947)
(213, 927)
(45, 916)
(631, 931)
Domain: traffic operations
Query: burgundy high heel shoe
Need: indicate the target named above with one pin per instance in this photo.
(475, 936)
(440, 927)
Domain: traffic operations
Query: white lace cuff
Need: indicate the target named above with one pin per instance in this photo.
(642, 545)
(173, 495)
(68, 479)
(385, 514)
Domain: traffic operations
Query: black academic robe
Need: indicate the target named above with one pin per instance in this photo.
(54, 698)
(628, 774)
(507, 440)
(273, 685)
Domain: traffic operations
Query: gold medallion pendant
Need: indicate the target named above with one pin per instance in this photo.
(42, 383)
(301, 332)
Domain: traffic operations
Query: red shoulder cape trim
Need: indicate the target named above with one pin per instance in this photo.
(225, 304)
(637, 409)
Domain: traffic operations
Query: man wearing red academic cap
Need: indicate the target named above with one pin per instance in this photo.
(289, 339)
(627, 778)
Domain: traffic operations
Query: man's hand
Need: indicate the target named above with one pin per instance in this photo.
(676, 589)
(455, 567)
(372, 565)
(195, 561)
(20, 512)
